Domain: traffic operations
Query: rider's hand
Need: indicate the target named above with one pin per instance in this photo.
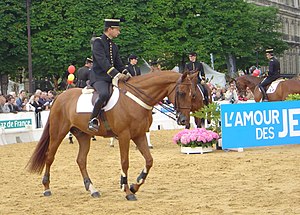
(127, 76)
(123, 77)
(202, 82)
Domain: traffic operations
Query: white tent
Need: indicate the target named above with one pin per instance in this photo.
(216, 78)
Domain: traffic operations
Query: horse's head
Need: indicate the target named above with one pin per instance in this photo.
(241, 84)
(183, 99)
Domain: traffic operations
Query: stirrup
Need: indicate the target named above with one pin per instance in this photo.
(94, 124)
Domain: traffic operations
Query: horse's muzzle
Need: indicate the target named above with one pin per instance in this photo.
(181, 119)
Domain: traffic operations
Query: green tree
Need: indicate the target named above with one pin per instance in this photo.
(13, 39)
(234, 31)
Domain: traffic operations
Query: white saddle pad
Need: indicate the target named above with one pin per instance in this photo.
(84, 103)
(272, 88)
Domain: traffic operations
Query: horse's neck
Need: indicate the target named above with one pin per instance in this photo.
(252, 82)
(155, 88)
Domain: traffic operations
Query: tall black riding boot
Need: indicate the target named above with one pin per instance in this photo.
(205, 93)
(264, 95)
(94, 122)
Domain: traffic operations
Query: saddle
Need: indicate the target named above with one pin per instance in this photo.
(86, 100)
(273, 86)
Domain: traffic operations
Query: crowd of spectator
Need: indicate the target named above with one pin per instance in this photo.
(229, 93)
(37, 102)
(40, 100)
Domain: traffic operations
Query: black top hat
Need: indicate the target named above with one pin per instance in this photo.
(193, 54)
(269, 50)
(112, 23)
(132, 56)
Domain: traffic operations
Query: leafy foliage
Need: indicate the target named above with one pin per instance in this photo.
(211, 112)
(13, 38)
(293, 97)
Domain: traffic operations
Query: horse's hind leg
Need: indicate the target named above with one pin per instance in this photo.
(84, 148)
(57, 134)
(141, 143)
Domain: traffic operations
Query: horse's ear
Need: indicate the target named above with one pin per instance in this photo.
(184, 75)
(194, 76)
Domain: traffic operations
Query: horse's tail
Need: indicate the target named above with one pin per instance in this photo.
(38, 159)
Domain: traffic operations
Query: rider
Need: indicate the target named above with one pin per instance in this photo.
(132, 66)
(107, 65)
(195, 66)
(273, 74)
(83, 73)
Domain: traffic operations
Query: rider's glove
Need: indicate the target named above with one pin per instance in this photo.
(123, 77)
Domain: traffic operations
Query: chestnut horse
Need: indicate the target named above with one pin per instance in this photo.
(197, 97)
(128, 120)
(283, 89)
(197, 100)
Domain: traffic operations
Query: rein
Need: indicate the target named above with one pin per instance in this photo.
(138, 91)
(167, 107)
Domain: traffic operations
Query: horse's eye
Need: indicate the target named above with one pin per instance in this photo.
(181, 93)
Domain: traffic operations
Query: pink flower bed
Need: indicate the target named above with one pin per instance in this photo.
(196, 137)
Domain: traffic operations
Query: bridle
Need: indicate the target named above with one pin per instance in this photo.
(177, 104)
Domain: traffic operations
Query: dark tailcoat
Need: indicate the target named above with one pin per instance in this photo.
(83, 75)
(195, 67)
(134, 70)
(106, 60)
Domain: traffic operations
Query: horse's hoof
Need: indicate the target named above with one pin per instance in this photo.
(111, 145)
(131, 197)
(150, 147)
(47, 193)
(96, 195)
(132, 189)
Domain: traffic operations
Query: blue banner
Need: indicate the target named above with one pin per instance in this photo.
(260, 124)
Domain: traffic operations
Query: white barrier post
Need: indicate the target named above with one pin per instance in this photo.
(112, 142)
(148, 140)
(2, 137)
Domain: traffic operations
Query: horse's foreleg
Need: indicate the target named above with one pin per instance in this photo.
(84, 148)
(124, 154)
(141, 144)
